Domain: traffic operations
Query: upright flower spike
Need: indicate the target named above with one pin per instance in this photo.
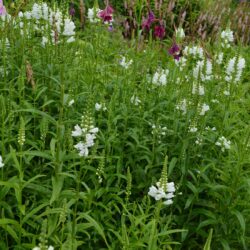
(146, 23)
(164, 189)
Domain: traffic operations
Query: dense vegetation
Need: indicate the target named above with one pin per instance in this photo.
(123, 128)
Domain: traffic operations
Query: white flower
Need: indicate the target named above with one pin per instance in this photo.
(71, 102)
(168, 202)
(92, 15)
(193, 129)
(204, 109)
(180, 33)
(160, 77)
(230, 69)
(98, 106)
(69, 27)
(226, 92)
(71, 39)
(240, 66)
(223, 143)
(36, 248)
(36, 11)
(50, 248)
(219, 58)
(200, 90)
(135, 100)
(77, 132)
(182, 106)
(227, 37)
(170, 187)
(125, 64)
(44, 41)
(82, 148)
(1, 162)
(94, 130)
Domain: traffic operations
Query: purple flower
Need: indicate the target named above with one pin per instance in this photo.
(174, 49)
(3, 11)
(146, 23)
(106, 14)
(72, 10)
(159, 31)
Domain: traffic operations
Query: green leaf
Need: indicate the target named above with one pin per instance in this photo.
(209, 240)
(240, 219)
(57, 184)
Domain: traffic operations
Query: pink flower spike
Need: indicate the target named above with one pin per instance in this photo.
(3, 11)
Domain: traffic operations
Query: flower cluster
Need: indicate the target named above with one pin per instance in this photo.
(86, 131)
(160, 77)
(223, 143)
(182, 106)
(227, 38)
(93, 14)
(124, 63)
(159, 192)
(198, 70)
(233, 69)
(195, 51)
(51, 24)
(100, 106)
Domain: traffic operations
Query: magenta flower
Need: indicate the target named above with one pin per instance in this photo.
(106, 14)
(146, 23)
(159, 31)
(3, 11)
(175, 51)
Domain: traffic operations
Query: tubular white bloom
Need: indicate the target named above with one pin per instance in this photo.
(227, 37)
(219, 58)
(125, 64)
(1, 162)
(71, 39)
(92, 15)
(160, 77)
(71, 102)
(50, 248)
(204, 109)
(180, 33)
(223, 143)
(69, 27)
(240, 66)
(200, 90)
(44, 41)
(77, 132)
(94, 130)
(36, 248)
(170, 187)
(36, 11)
(193, 129)
(182, 106)
(98, 106)
(168, 202)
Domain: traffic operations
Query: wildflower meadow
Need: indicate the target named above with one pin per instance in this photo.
(124, 125)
